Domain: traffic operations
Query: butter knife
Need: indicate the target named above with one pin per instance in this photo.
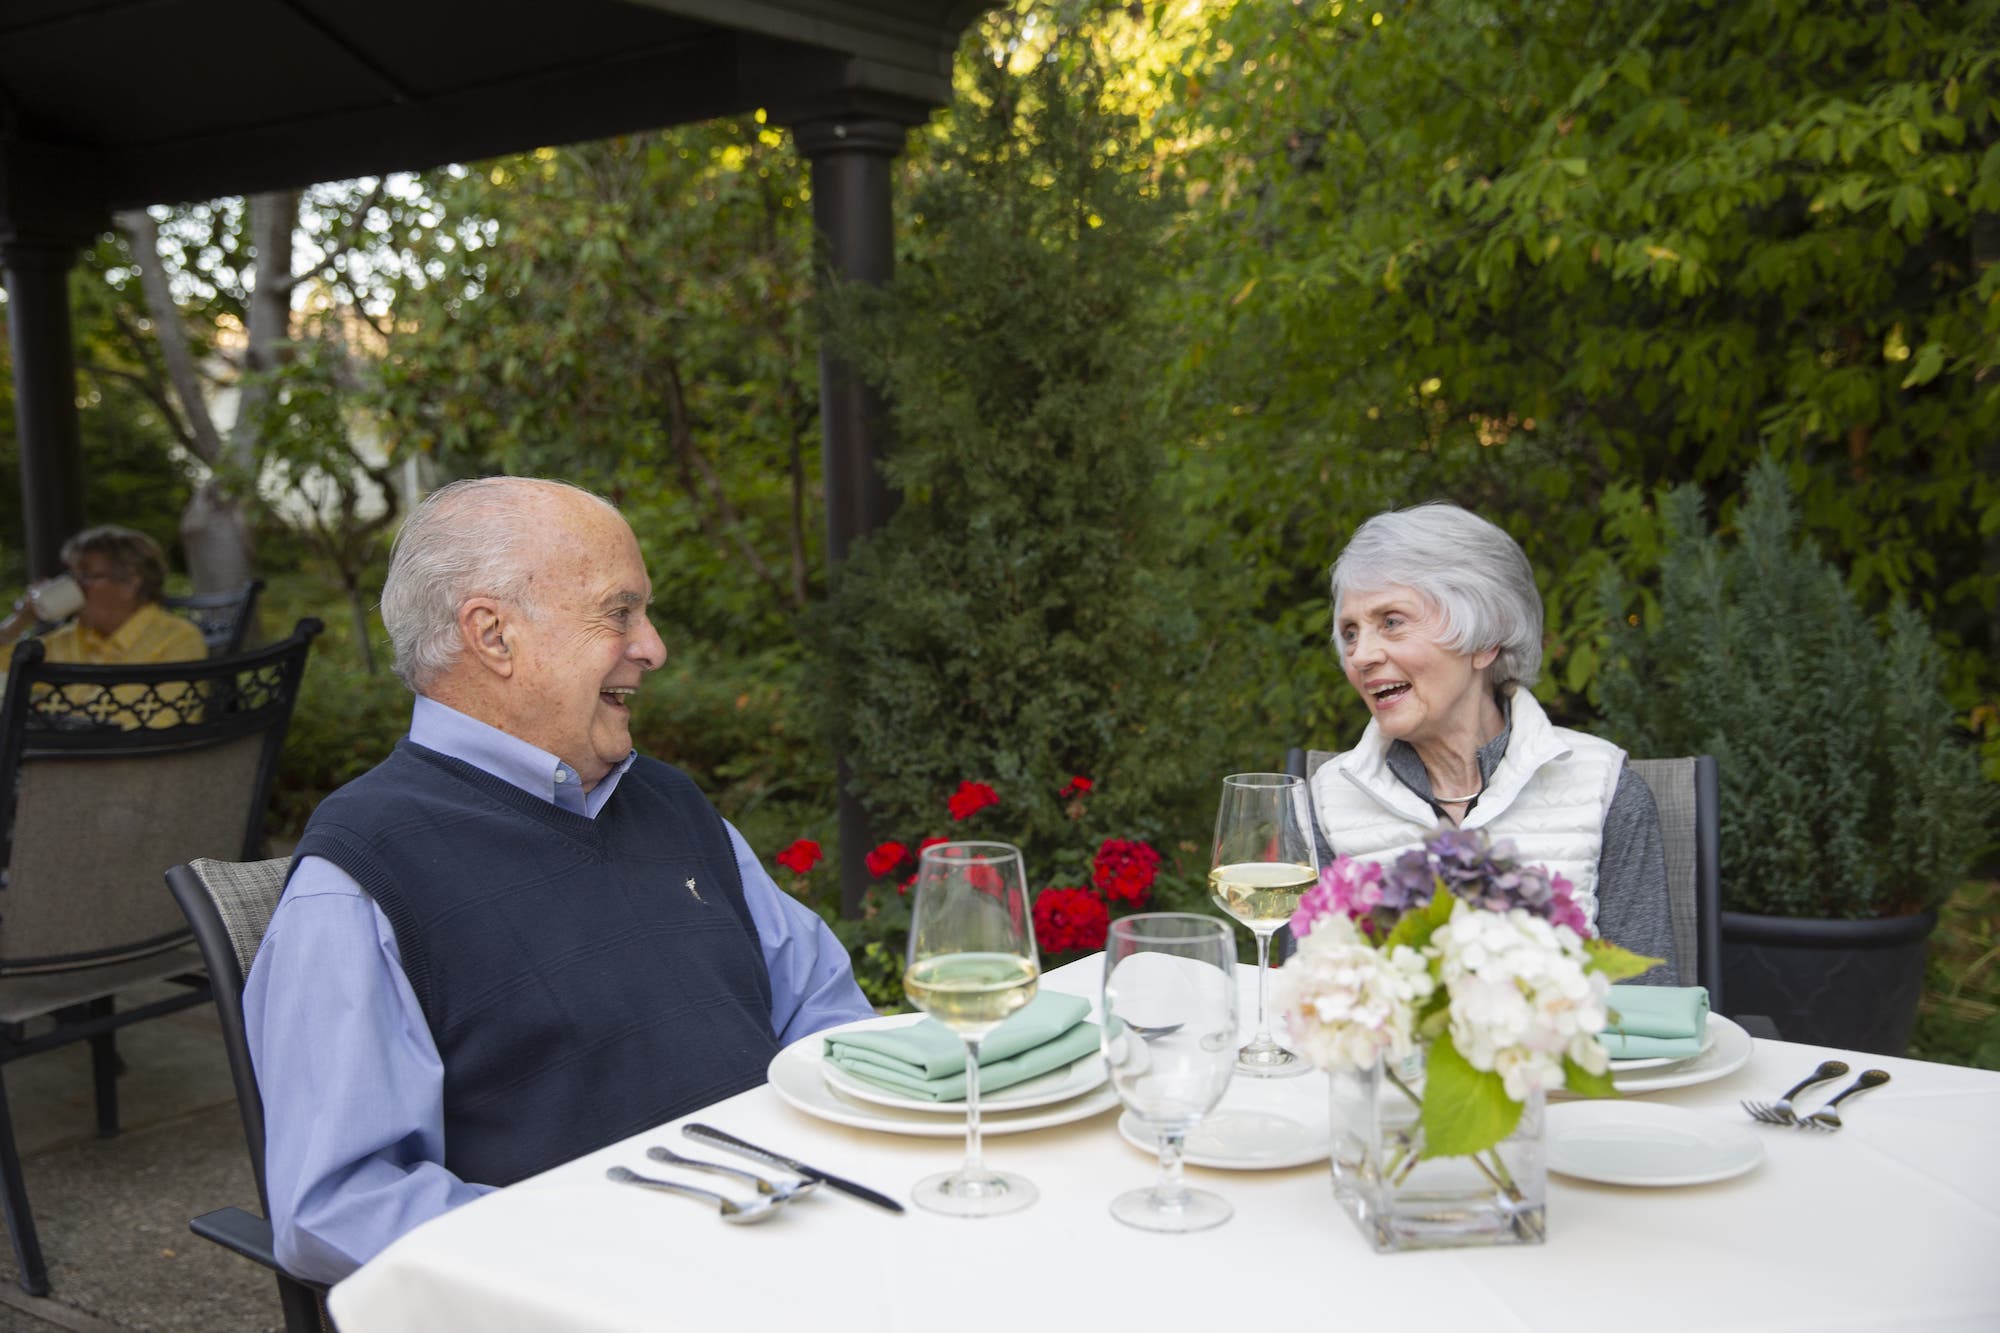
(710, 1134)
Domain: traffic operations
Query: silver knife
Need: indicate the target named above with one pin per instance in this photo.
(710, 1134)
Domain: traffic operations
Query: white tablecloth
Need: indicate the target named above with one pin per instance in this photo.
(1893, 1223)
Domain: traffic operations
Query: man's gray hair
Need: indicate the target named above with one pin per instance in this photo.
(473, 538)
(1476, 575)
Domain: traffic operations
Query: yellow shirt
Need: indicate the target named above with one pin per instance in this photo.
(150, 634)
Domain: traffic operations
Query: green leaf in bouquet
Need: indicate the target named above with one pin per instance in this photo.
(1583, 1083)
(1434, 1019)
(1465, 1111)
(1617, 963)
(1415, 928)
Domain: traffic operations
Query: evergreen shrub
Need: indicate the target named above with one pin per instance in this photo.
(1024, 617)
(1848, 788)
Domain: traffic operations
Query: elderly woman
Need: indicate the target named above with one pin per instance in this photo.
(1439, 629)
(122, 574)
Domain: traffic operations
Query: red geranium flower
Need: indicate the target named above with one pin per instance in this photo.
(801, 856)
(970, 799)
(1068, 919)
(885, 858)
(984, 878)
(1125, 869)
(1076, 786)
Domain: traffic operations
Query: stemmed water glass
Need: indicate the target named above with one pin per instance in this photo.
(1169, 1038)
(972, 963)
(1263, 863)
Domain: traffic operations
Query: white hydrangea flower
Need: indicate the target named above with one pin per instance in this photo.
(1522, 997)
(1345, 1001)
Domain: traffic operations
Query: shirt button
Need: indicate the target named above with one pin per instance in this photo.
(561, 776)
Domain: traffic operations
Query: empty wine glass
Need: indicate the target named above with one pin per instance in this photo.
(972, 963)
(1263, 863)
(1170, 1039)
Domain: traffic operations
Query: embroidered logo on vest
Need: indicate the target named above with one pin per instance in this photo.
(696, 892)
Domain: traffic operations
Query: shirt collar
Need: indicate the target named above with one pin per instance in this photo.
(118, 643)
(442, 728)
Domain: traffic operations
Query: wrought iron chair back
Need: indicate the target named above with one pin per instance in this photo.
(107, 775)
(223, 618)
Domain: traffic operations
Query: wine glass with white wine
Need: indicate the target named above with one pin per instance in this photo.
(1264, 862)
(972, 963)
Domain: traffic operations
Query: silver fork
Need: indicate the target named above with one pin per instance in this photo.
(1780, 1112)
(1828, 1119)
(777, 1192)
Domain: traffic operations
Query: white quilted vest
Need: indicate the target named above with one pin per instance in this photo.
(1548, 796)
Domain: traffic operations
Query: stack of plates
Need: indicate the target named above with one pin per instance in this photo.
(1725, 1048)
(801, 1076)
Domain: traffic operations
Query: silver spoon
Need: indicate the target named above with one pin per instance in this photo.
(777, 1193)
(743, 1214)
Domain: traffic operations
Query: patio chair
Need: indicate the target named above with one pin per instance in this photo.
(229, 906)
(223, 618)
(1685, 790)
(107, 775)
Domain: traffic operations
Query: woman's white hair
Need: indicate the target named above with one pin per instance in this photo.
(1475, 574)
(472, 538)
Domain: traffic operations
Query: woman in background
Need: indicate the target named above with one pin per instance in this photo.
(1439, 629)
(121, 574)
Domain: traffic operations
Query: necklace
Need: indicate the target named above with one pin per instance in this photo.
(1459, 800)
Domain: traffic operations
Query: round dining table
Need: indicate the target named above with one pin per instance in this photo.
(1891, 1223)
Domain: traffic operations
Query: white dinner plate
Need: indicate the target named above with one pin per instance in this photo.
(1645, 1143)
(1729, 1052)
(1261, 1124)
(1708, 1039)
(796, 1076)
(1058, 1085)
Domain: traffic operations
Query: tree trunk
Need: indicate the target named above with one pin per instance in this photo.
(267, 321)
(142, 237)
(221, 553)
(358, 605)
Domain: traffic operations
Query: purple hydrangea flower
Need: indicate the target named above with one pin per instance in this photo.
(1466, 863)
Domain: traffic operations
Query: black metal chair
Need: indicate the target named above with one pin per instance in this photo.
(108, 773)
(223, 618)
(229, 906)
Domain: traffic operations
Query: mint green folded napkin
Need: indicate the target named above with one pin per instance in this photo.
(927, 1059)
(1656, 1022)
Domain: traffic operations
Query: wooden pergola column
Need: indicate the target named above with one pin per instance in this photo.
(36, 272)
(852, 155)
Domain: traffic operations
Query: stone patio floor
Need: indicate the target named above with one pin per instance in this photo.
(113, 1213)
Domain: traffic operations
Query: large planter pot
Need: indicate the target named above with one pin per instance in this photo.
(1853, 984)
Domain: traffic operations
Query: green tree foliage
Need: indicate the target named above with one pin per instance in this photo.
(1847, 788)
(630, 315)
(320, 464)
(1021, 619)
(1540, 258)
(136, 476)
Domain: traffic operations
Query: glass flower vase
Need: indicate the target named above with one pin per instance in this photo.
(1403, 1200)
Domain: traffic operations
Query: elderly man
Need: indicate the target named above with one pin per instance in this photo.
(515, 940)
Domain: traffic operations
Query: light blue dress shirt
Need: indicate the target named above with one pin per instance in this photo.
(352, 1084)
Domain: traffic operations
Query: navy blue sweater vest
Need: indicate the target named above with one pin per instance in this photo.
(583, 978)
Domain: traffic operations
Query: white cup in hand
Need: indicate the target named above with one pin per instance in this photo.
(56, 599)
